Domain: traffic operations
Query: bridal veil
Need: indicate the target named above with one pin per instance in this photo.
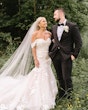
(19, 63)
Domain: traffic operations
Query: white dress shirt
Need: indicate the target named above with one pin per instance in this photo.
(60, 30)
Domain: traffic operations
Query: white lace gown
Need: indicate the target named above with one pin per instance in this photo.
(35, 91)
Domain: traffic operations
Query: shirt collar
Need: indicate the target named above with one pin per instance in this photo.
(64, 22)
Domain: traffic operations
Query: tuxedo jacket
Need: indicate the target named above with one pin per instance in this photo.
(70, 43)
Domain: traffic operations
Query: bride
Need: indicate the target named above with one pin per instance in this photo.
(34, 90)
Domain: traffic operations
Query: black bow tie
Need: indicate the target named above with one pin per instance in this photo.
(61, 24)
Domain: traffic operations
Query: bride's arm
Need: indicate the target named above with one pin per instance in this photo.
(34, 50)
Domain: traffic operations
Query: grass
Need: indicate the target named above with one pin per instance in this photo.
(80, 92)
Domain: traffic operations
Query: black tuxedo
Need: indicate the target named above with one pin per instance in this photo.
(61, 51)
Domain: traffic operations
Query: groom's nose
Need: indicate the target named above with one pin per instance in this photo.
(54, 17)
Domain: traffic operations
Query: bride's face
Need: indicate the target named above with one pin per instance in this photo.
(43, 23)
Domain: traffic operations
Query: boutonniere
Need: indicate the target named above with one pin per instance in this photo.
(66, 28)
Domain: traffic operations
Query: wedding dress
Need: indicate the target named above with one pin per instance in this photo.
(35, 91)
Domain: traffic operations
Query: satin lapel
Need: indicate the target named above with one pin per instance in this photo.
(64, 33)
(55, 33)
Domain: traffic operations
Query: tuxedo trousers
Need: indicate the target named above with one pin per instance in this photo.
(63, 69)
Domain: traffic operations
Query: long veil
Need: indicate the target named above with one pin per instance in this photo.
(19, 62)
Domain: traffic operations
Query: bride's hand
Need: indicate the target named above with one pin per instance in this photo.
(36, 63)
(53, 40)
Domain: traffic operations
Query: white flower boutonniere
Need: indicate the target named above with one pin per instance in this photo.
(66, 28)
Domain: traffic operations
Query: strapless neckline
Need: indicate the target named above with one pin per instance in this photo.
(43, 39)
(41, 42)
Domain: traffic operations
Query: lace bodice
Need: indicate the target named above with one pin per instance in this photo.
(42, 48)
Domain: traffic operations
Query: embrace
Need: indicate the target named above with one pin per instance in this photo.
(37, 89)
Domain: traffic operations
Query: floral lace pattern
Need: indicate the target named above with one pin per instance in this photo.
(35, 91)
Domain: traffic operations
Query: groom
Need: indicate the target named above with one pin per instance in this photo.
(65, 47)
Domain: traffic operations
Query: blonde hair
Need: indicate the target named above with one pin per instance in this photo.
(38, 21)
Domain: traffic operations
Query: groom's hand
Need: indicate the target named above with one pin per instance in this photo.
(72, 57)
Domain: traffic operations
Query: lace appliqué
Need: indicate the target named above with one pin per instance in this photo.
(33, 44)
(3, 107)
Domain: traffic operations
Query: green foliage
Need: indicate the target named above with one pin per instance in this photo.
(23, 14)
(5, 39)
(84, 50)
(7, 45)
(6, 36)
(26, 11)
(80, 93)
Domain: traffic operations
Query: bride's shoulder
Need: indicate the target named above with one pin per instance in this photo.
(34, 36)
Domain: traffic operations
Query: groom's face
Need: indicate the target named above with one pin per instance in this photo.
(56, 15)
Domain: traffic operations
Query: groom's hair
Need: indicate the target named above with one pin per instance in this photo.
(61, 9)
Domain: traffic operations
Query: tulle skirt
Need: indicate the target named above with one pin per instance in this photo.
(35, 91)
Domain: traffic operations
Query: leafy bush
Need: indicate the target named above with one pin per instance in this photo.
(7, 45)
(84, 50)
(79, 99)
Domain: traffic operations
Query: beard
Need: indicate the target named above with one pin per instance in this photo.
(58, 20)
